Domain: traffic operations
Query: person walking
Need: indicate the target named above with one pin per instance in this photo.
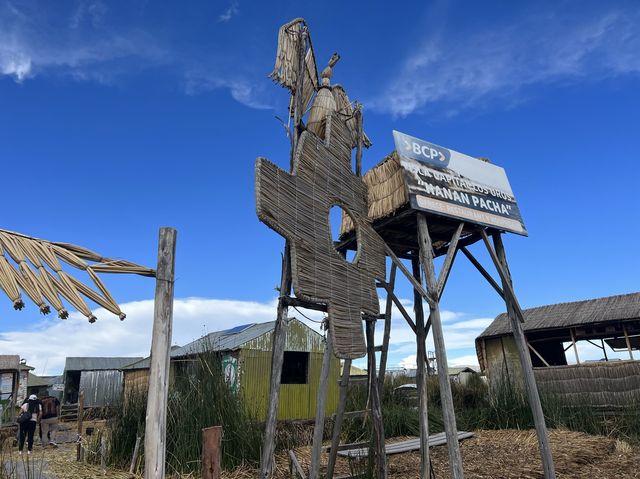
(27, 428)
(49, 421)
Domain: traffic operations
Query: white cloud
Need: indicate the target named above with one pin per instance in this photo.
(230, 12)
(241, 89)
(463, 69)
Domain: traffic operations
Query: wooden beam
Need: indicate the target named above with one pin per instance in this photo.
(294, 467)
(417, 286)
(387, 330)
(421, 376)
(482, 271)
(376, 406)
(339, 417)
(277, 358)
(628, 341)
(80, 431)
(446, 398)
(211, 452)
(318, 430)
(155, 437)
(134, 458)
(301, 303)
(448, 260)
(544, 361)
(500, 259)
(573, 342)
(400, 306)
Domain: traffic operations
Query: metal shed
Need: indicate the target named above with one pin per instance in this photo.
(99, 378)
(246, 356)
(552, 330)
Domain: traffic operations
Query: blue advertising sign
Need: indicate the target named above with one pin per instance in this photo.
(451, 184)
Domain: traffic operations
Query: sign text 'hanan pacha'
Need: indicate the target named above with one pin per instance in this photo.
(448, 183)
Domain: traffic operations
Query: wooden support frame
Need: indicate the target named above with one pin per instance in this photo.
(387, 330)
(628, 341)
(155, 437)
(514, 312)
(376, 406)
(573, 343)
(280, 331)
(534, 351)
(337, 424)
(449, 418)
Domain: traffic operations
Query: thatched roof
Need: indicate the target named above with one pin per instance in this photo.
(565, 315)
(386, 190)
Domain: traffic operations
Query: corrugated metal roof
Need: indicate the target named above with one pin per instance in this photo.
(563, 315)
(97, 364)
(217, 341)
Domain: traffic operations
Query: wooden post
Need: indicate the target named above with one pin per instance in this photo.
(103, 452)
(421, 376)
(575, 348)
(606, 358)
(134, 458)
(80, 418)
(628, 341)
(295, 468)
(449, 417)
(211, 452)
(155, 436)
(277, 359)
(318, 430)
(500, 259)
(337, 423)
(280, 331)
(376, 406)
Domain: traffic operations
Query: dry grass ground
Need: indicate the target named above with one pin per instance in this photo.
(490, 454)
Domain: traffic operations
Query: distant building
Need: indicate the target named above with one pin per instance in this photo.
(553, 330)
(99, 378)
(9, 385)
(246, 356)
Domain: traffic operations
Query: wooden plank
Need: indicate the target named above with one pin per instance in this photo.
(211, 452)
(294, 466)
(155, 438)
(409, 445)
(337, 423)
(628, 341)
(277, 359)
(318, 430)
(500, 259)
(573, 343)
(448, 260)
(544, 361)
(345, 447)
(421, 376)
(301, 303)
(446, 398)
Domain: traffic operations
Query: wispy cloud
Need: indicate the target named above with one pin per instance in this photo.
(230, 12)
(87, 43)
(464, 69)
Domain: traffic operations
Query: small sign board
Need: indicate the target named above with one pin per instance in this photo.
(451, 184)
(57, 387)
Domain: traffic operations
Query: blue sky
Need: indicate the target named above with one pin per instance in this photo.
(117, 118)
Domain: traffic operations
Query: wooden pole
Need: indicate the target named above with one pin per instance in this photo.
(80, 418)
(482, 271)
(575, 348)
(500, 259)
(446, 398)
(280, 331)
(400, 306)
(318, 430)
(358, 114)
(376, 406)
(155, 437)
(211, 452)
(628, 341)
(337, 423)
(295, 468)
(606, 358)
(134, 458)
(387, 330)
(421, 375)
(277, 359)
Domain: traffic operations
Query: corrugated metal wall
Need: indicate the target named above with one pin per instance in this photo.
(297, 401)
(101, 388)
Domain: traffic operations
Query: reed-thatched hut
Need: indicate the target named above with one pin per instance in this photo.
(610, 323)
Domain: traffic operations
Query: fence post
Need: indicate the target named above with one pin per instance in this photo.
(211, 452)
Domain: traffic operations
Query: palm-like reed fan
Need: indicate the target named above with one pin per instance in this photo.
(35, 267)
